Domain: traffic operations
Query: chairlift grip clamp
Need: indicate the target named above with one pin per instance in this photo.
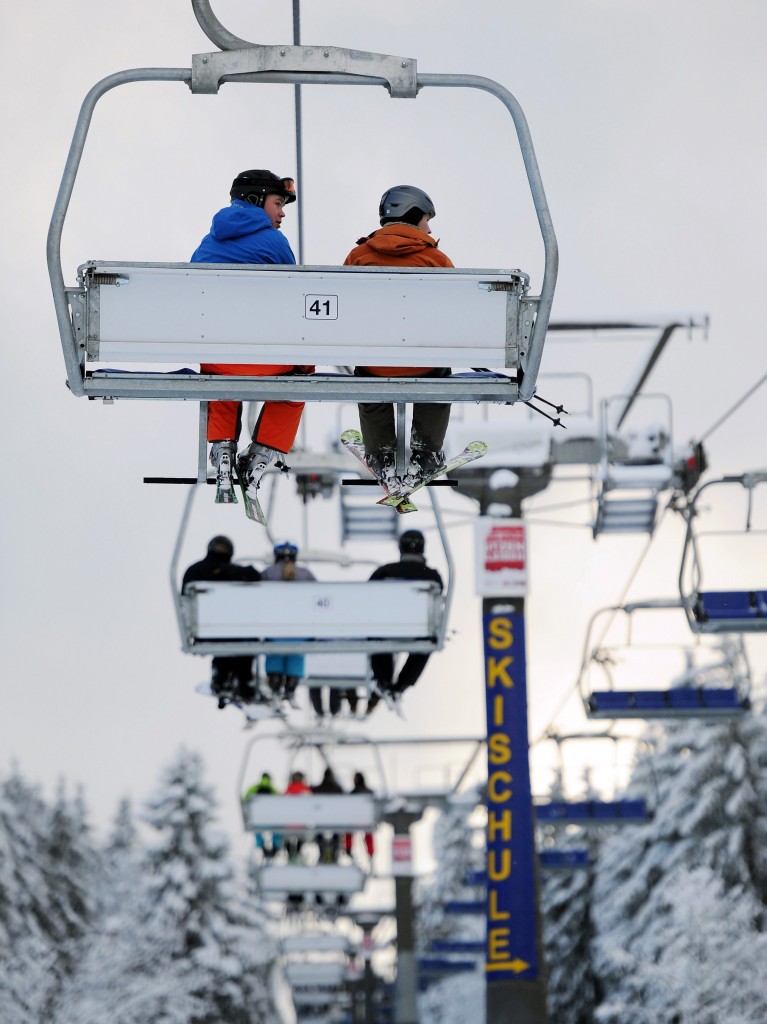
(399, 73)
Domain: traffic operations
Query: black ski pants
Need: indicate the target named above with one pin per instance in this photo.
(378, 421)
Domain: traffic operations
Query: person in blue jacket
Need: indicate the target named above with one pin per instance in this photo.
(248, 231)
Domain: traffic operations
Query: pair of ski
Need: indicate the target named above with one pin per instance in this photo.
(254, 710)
(352, 439)
(226, 495)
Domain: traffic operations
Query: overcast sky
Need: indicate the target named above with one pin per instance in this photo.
(649, 124)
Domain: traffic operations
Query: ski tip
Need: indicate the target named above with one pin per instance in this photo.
(477, 446)
(351, 435)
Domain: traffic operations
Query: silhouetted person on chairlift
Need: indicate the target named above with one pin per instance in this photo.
(248, 231)
(232, 676)
(411, 566)
(403, 240)
(329, 845)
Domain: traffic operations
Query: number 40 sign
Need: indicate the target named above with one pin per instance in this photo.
(321, 307)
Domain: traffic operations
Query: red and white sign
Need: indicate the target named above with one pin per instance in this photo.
(501, 557)
(401, 855)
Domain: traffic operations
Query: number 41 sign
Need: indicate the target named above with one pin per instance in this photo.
(321, 307)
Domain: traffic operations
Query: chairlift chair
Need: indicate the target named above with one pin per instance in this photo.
(231, 618)
(139, 314)
(741, 607)
(712, 680)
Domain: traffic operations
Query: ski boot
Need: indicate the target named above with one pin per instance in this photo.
(276, 683)
(251, 463)
(222, 455)
(383, 466)
(291, 685)
(423, 465)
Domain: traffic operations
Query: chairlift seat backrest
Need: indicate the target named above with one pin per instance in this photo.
(317, 973)
(209, 313)
(583, 812)
(311, 812)
(303, 878)
(317, 612)
(727, 604)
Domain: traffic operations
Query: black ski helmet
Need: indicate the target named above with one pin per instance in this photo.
(405, 202)
(221, 546)
(412, 543)
(255, 186)
(284, 551)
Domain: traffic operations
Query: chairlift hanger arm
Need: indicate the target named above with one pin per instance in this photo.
(53, 244)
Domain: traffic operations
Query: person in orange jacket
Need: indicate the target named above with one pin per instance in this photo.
(248, 231)
(403, 240)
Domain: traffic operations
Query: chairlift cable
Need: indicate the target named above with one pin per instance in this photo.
(734, 408)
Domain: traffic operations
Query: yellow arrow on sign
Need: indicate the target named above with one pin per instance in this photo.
(517, 966)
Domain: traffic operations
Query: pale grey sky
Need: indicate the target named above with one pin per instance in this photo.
(649, 124)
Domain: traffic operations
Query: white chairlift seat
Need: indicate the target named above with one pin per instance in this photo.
(315, 942)
(230, 618)
(310, 813)
(138, 313)
(315, 974)
(338, 671)
(306, 878)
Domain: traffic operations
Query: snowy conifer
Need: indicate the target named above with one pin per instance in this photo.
(566, 920)
(220, 945)
(710, 823)
(26, 952)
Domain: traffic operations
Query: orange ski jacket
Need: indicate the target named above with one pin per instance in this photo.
(397, 245)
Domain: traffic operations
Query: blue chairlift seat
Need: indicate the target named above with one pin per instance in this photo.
(564, 860)
(477, 946)
(728, 605)
(681, 702)
(592, 812)
(467, 907)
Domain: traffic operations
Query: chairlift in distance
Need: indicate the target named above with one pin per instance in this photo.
(708, 680)
(140, 314)
(742, 606)
(559, 810)
(231, 618)
(307, 815)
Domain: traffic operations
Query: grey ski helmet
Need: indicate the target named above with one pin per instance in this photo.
(412, 543)
(221, 546)
(401, 200)
(254, 186)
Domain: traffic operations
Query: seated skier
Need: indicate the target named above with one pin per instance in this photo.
(411, 566)
(248, 231)
(231, 675)
(404, 240)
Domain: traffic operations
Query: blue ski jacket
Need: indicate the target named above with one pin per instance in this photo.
(242, 233)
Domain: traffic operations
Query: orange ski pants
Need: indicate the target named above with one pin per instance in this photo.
(278, 422)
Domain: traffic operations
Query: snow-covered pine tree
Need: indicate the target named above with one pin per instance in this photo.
(220, 948)
(566, 912)
(26, 953)
(127, 973)
(710, 822)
